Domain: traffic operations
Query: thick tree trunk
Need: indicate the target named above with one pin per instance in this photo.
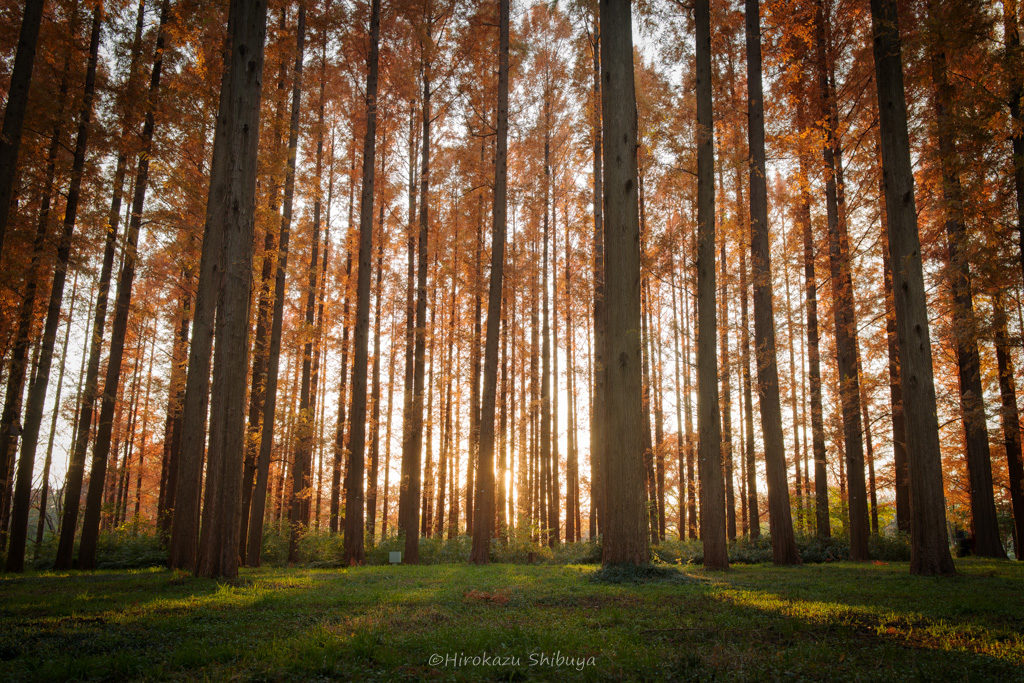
(484, 515)
(354, 552)
(899, 430)
(929, 539)
(412, 445)
(231, 211)
(264, 307)
(623, 526)
(780, 521)
(712, 501)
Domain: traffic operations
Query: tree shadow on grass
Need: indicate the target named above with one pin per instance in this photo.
(387, 622)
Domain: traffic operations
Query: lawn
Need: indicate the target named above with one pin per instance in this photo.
(827, 621)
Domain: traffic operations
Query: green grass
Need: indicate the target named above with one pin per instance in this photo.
(825, 621)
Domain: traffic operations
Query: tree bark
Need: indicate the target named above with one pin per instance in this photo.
(624, 525)
(780, 521)
(984, 523)
(231, 212)
(255, 535)
(712, 502)
(929, 540)
(842, 306)
(14, 111)
(90, 524)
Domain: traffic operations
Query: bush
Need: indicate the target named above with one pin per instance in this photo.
(126, 547)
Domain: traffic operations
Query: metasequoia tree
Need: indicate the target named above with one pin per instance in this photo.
(784, 549)
(14, 111)
(929, 539)
(37, 389)
(483, 529)
(230, 212)
(712, 495)
(354, 553)
(624, 525)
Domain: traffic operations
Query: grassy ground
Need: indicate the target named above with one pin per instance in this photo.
(841, 620)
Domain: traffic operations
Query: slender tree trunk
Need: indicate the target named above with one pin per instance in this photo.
(142, 445)
(625, 540)
(712, 503)
(597, 422)
(842, 307)
(45, 488)
(929, 539)
(750, 464)
(76, 464)
(354, 551)
(260, 350)
(784, 549)
(1012, 56)
(10, 420)
(302, 462)
(725, 375)
(984, 523)
(339, 430)
(14, 111)
(255, 535)
(90, 524)
(373, 475)
(413, 438)
(1011, 424)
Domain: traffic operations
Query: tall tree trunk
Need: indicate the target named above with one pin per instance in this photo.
(597, 422)
(302, 462)
(1011, 423)
(255, 534)
(374, 475)
(45, 486)
(37, 389)
(76, 463)
(842, 306)
(14, 111)
(712, 501)
(231, 212)
(725, 375)
(780, 522)
(354, 552)
(623, 527)
(1013, 59)
(10, 420)
(929, 540)
(260, 349)
(984, 523)
(90, 524)
(412, 445)
(750, 464)
(339, 430)
(899, 430)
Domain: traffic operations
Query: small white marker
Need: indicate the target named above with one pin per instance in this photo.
(395, 557)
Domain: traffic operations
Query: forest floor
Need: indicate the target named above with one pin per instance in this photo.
(828, 621)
